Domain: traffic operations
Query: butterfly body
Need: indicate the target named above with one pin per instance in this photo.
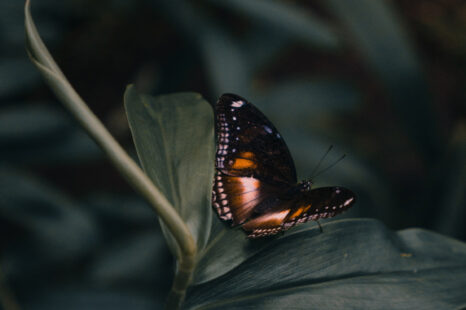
(255, 184)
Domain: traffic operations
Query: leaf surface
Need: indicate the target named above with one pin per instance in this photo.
(174, 138)
(353, 264)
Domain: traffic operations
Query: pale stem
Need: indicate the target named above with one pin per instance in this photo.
(41, 57)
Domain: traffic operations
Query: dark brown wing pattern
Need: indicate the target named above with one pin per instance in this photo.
(248, 143)
(255, 183)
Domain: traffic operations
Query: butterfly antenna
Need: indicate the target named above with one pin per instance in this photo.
(320, 161)
(336, 162)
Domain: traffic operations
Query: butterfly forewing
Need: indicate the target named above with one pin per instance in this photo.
(248, 143)
(255, 183)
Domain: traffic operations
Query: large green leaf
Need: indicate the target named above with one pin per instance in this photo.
(174, 138)
(353, 264)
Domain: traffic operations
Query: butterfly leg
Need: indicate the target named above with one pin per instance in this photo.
(320, 227)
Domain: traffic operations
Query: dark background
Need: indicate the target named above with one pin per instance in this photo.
(381, 81)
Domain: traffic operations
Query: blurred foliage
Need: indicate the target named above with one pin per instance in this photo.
(381, 81)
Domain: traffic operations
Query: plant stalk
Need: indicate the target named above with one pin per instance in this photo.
(58, 83)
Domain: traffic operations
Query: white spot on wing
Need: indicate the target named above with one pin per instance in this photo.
(237, 104)
(268, 129)
(347, 202)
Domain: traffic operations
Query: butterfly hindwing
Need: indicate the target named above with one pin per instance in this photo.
(315, 204)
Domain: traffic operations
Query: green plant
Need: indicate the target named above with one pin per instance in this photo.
(355, 263)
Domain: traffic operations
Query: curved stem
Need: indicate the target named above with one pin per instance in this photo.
(42, 59)
(181, 282)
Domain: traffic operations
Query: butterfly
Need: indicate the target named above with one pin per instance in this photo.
(255, 183)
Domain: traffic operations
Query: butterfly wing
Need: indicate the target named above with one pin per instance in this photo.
(253, 162)
(308, 205)
(235, 198)
(255, 181)
(249, 145)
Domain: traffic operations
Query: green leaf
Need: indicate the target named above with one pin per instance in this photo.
(227, 248)
(226, 64)
(174, 138)
(376, 32)
(353, 264)
(286, 17)
(307, 100)
(52, 229)
(16, 75)
(38, 133)
(450, 183)
(78, 297)
(135, 258)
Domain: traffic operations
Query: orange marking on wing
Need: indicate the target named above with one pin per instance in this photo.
(244, 195)
(241, 185)
(241, 163)
(296, 213)
(307, 207)
(299, 212)
(249, 184)
(247, 155)
(247, 192)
